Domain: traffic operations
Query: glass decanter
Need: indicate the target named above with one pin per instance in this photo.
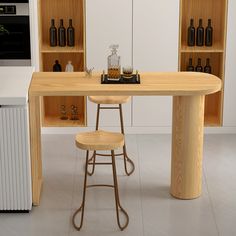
(113, 63)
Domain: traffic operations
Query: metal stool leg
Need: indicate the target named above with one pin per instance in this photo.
(117, 199)
(126, 158)
(93, 157)
(93, 160)
(81, 208)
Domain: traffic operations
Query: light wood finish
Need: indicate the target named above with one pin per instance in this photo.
(216, 10)
(187, 145)
(76, 49)
(49, 61)
(35, 148)
(162, 83)
(189, 90)
(109, 99)
(51, 121)
(62, 9)
(99, 140)
(214, 48)
(52, 116)
(210, 9)
(216, 61)
(213, 102)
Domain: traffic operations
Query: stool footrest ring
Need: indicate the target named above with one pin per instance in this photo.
(92, 162)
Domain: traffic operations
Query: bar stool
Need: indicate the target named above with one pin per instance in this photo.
(100, 140)
(114, 100)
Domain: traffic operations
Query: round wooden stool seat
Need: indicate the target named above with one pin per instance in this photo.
(109, 99)
(99, 140)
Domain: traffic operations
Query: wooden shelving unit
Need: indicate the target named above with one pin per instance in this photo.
(62, 9)
(216, 10)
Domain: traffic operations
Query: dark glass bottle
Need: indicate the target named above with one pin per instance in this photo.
(207, 68)
(200, 34)
(57, 67)
(191, 34)
(209, 34)
(53, 34)
(70, 35)
(199, 66)
(190, 66)
(62, 34)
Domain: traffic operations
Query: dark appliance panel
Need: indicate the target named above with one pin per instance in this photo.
(14, 1)
(14, 37)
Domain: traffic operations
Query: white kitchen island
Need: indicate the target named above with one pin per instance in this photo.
(15, 169)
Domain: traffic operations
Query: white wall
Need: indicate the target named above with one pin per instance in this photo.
(155, 47)
(108, 22)
(34, 34)
(230, 69)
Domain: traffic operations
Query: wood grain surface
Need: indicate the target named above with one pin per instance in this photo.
(187, 88)
(99, 140)
(187, 146)
(109, 99)
(161, 83)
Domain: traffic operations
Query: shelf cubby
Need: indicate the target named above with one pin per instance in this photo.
(216, 61)
(52, 112)
(216, 10)
(63, 58)
(62, 9)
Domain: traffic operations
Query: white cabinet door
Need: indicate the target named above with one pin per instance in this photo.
(15, 168)
(108, 22)
(230, 69)
(155, 48)
(108, 118)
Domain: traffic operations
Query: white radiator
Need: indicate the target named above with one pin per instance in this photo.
(15, 171)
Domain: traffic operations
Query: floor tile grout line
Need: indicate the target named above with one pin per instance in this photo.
(140, 182)
(211, 203)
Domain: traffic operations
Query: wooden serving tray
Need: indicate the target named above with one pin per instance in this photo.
(134, 79)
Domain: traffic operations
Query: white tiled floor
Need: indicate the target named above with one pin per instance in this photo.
(145, 194)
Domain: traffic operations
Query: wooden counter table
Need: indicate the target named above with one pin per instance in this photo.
(188, 90)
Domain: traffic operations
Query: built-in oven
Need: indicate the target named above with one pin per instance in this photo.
(14, 33)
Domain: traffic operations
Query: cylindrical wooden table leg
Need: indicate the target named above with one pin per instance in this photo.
(187, 145)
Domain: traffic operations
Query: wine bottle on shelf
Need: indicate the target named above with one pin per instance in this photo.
(191, 34)
(190, 66)
(53, 34)
(199, 66)
(209, 34)
(57, 67)
(70, 35)
(62, 34)
(200, 34)
(207, 68)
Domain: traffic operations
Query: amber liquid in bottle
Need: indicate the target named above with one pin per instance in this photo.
(113, 69)
(114, 73)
